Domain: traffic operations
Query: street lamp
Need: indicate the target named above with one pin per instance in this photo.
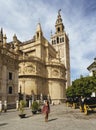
(41, 97)
(32, 94)
(24, 95)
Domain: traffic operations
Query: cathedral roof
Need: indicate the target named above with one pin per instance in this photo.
(29, 41)
(38, 29)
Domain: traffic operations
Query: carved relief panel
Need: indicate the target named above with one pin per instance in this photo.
(30, 69)
(27, 68)
(62, 73)
(55, 72)
(40, 69)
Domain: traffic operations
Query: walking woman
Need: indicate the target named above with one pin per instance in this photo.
(46, 110)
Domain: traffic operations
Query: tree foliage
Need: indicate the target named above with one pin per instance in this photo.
(83, 86)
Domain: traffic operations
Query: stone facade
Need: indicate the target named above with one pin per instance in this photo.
(36, 67)
(8, 72)
(42, 69)
(60, 41)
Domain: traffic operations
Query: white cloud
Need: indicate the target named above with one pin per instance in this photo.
(22, 16)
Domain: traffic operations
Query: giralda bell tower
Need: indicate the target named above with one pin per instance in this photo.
(60, 41)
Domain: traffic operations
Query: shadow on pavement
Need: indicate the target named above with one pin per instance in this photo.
(52, 119)
(28, 116)
(2, 124)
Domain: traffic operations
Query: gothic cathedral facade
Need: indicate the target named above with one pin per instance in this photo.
(43, 68)
(8, 72)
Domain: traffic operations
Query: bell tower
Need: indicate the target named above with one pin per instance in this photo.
(60, 42)
(59, 25)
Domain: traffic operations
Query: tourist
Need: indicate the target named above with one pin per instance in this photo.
(46, 110)
(82, 99)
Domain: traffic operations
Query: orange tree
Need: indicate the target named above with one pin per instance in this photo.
(83, 86)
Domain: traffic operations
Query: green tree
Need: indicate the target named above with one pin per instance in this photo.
(83, 86)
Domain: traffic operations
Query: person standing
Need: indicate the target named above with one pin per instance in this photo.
(46, 110)
(82, 101)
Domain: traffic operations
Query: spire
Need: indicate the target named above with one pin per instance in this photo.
(4, 40)
(14, 38)
(38, 29)
(59, 19)
(39, 32)
(59, 24)
(16, 44)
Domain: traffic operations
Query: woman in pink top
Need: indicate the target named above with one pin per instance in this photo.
(46, 110)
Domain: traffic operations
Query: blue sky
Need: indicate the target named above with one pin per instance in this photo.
(20, 17)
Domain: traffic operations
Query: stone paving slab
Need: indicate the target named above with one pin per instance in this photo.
(60, 118)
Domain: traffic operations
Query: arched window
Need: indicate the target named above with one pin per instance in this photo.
(54, 42)
(10, 75)
(62, 39)
(37, 35)
(10, 90)
(58, 29)
(57, 39)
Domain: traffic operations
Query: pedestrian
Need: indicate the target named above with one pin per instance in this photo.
(82, 101)
(46, 110)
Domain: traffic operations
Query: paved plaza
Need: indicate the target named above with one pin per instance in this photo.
(60, 118)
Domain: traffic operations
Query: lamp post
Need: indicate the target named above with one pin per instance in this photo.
(24, 95)
(32, 94)
(41, 97)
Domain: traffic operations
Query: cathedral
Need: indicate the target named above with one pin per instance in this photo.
(39, 68)
(8, 71)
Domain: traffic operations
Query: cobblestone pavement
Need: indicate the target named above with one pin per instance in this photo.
(60, 118)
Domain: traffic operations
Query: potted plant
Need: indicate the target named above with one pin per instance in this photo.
(39, 107)
(35, 107)
(21, 108)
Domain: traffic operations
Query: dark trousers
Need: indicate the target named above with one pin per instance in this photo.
(82, 105)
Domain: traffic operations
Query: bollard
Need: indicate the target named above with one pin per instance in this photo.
(17, 105)
(5, 106)
(0, 106)
(30, 103)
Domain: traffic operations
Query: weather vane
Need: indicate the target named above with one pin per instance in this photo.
(59, 11)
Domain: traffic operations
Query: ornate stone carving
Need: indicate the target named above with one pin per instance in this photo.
(62, 74)
(39, 69)
(55, 60)
(30, 69)
(55, 72)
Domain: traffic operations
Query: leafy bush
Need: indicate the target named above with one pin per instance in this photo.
(35, 106)
(22, 105)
